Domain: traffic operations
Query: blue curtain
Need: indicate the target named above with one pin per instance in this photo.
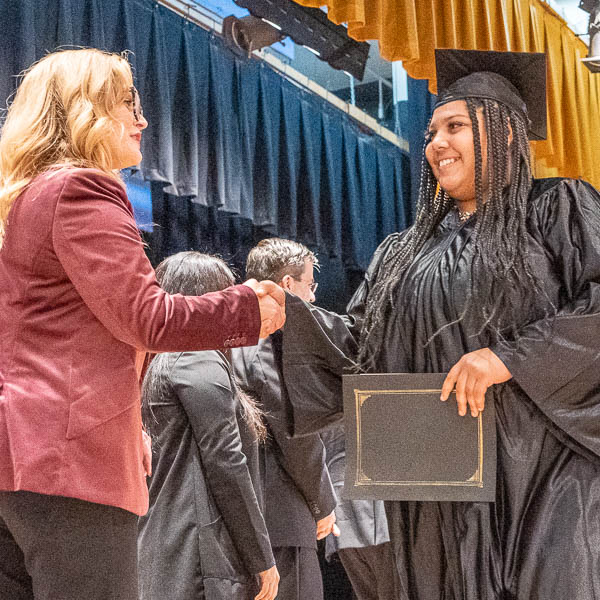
(419, 107)
(230, 140)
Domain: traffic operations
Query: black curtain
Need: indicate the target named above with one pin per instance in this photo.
(235, 151)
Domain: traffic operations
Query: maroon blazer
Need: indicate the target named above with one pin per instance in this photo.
(78, 297)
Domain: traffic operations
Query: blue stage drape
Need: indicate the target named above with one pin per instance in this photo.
(227, 134)
(420, 105)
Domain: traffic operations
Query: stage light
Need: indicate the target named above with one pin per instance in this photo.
(310, 27)
(250, 33)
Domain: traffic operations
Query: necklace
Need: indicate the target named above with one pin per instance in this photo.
(464, 216)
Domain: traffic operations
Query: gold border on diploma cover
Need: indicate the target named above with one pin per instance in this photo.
(361, 396)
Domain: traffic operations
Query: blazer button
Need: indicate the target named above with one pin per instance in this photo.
(226, 344)
(243, 341)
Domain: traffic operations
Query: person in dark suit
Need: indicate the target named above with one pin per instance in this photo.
(78, 301)
(205, 498)
(298, 493)
(363, 545)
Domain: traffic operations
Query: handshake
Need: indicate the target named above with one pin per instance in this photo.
(271, 303)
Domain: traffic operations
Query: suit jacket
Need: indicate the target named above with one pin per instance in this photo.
(78, 297)
(298, 490)
(204, 535)
(362, 523)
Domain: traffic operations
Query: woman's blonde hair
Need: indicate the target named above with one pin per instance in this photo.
(61, 115)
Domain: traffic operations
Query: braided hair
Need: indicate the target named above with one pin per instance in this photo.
(501, 269)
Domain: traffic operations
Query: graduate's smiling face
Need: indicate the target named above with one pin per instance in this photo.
(451, 153)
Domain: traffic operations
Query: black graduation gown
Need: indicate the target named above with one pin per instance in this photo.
(540, 540)
(204, 537)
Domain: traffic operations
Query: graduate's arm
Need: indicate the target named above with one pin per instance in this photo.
(472, 375)
(312, 366)
(556, 360)
(318, 346)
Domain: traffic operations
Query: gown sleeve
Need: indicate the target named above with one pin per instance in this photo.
(556, 360)
(318, 346)
(355, 311)
(204, 389)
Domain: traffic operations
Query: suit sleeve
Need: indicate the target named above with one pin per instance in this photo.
(556, 359)
(303, 459)
(204, 388)
(97, 242)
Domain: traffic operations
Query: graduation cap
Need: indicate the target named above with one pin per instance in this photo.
(516, 79)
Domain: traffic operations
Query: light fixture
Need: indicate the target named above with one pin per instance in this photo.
(310, 27)
(250, 33)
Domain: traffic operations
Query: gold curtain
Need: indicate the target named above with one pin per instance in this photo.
(410, 30)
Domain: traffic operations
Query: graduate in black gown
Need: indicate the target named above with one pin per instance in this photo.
(497, 283)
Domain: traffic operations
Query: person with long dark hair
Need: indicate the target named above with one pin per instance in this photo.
(497, 283)
(79, 302)
(204, 535)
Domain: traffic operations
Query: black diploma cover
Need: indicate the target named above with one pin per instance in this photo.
(403, 443)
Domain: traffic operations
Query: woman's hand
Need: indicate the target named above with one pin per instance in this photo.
(327, 525)
(147, 456)
(271, 302)
(472, 375)
(269, 584)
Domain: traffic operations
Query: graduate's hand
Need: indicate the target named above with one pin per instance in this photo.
(472, 375)
(271, 303)
(327, 525)
(269, 584)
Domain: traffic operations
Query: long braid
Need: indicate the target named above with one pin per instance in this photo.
(503, 280)
(500, 262)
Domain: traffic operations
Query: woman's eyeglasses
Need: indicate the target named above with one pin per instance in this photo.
(135, 104)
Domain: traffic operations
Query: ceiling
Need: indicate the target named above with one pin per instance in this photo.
(572, 14)
(331, 79)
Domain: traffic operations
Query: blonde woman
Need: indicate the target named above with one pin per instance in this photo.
(78, 300)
